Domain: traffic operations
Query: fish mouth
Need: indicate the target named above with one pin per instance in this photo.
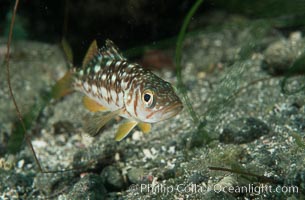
(172, 110)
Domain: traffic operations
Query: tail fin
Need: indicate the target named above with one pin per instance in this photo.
(63, 86)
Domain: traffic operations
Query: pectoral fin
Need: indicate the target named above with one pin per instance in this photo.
(92, 105)
(145, 127)
(124, 130)
(94, 123)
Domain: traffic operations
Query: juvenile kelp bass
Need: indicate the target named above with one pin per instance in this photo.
(115, 87)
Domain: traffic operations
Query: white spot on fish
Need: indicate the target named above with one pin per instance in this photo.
(86, 86)
(120, 97)
(113, 95)
(129, 97)
(108, 63)
(97, 68)
(94, 89)
(131, 66)
(103, 91)
(117, 64)
(88, 70)
(81, 72)
(104, 77)
(113, 78)
(123, 85)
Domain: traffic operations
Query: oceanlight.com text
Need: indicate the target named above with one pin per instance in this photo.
(194, 188)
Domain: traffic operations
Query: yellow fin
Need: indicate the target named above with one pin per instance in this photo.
(93, 124)
(124, 130)
(63, 86)
(92, 105)
(145, 127)
(91, 52)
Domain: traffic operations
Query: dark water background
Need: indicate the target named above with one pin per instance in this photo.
(135, 22)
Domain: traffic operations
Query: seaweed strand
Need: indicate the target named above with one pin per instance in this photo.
(179, 44)
(7, 60)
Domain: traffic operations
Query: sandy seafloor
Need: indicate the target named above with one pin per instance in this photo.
(248, 126)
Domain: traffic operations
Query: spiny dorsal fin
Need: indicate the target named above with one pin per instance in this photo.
(124, 130)
(95, 56)
(91, 52)
(112, 51)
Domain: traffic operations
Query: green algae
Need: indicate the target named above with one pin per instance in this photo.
(178, 57)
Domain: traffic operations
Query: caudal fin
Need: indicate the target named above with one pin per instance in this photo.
(63, 86)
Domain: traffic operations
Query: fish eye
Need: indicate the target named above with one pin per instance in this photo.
(148, 98)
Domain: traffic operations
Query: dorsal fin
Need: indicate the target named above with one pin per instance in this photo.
(113, 51)
(91, 52)
(101, 56)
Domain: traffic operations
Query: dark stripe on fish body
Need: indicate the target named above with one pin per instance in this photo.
(135, 104)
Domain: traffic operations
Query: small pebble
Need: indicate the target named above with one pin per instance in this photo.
(89, 187)
(281, 54)
(113, 179)
(243, 131)
(135, 175)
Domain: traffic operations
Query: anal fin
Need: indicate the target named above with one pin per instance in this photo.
(92, 105)
(124, 130)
